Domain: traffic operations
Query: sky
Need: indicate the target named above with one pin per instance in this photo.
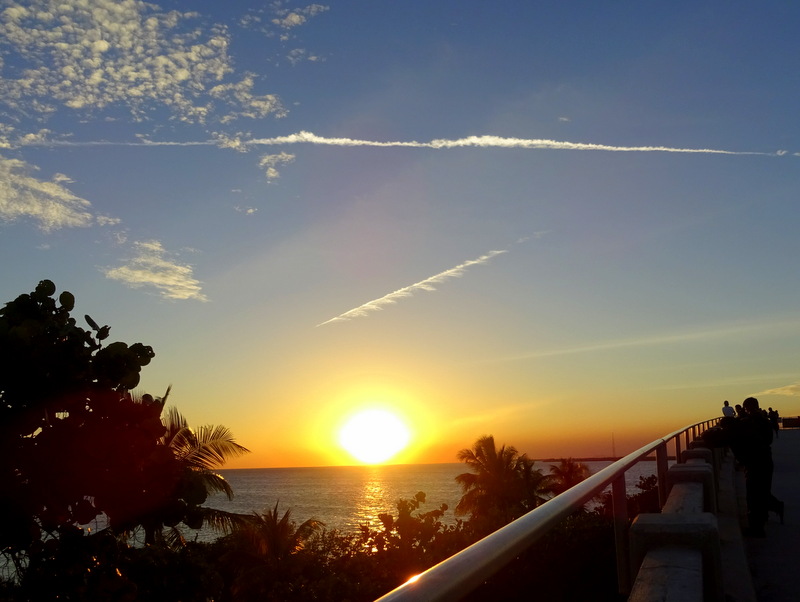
(569, 225)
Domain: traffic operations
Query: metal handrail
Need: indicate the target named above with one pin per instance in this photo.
(458, 575)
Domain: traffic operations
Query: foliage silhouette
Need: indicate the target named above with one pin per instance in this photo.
(197, 454)
(502, 485)
(75, 444)
(566, 474)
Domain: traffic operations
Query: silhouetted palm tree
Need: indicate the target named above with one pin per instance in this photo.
(196, 454)
(275, 538)
(493, 490)
(200, 453)
(567, 473)
(537, 487)
(267, 555)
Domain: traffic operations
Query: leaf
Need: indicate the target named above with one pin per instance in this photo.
(91, 323)
(67, 300)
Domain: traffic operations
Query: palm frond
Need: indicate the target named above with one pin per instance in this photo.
(225, 522)
(215, 483)
(174, 422)
(213, 447)
(173, 538)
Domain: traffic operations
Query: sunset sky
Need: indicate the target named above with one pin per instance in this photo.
(556, 223)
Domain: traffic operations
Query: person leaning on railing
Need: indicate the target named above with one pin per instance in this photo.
(750, 439)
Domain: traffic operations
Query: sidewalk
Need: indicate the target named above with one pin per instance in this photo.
(774, 560)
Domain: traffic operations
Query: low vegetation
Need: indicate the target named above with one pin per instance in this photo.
(76, 444)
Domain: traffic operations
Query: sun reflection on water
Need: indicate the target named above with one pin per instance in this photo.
(372, 500)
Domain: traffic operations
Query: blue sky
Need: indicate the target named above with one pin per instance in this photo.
(549, 222)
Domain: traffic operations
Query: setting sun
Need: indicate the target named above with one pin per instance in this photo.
(374, 436)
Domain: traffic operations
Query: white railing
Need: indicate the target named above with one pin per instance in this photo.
(458, 575)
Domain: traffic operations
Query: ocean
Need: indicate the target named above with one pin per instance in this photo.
(344, 497)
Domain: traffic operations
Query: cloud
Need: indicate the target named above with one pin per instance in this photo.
(297, 55)
(289, 19)
(786, 391)
(269, 164)
(490, 142)
(278, 21)
(237, 142)
(85, 56)
(49, 204)
(734, 331)
(422, 285)
(152, 267)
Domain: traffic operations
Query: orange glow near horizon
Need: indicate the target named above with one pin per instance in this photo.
(374, 435)
(371, 422)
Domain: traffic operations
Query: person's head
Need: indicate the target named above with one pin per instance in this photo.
(725, 403)
(750, 405)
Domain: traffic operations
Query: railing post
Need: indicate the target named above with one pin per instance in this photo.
(677, 449)
(662, 467)
(619, 500)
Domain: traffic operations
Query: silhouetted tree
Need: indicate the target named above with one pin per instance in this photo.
(196, 455)
(72, 441)
(265, 559)
(566, 474)
(501, 486)
(74, 444)
(536, 486)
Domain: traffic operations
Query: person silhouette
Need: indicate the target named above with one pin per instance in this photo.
(773, 420)
(727, 410)
(752, 447)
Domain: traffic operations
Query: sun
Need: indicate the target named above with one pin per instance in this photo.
(374, 436)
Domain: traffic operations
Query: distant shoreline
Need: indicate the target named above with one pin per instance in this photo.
(600, 459)
(540, 460)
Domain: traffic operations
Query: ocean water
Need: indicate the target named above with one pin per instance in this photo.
(344, 497)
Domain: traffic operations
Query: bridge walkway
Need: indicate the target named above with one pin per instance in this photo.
(775, 560)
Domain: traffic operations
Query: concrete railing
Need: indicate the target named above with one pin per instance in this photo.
(458, 575)
(675, 554)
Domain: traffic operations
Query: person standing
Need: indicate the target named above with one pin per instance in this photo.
(773, 420)
(753, 449)
(727, 410)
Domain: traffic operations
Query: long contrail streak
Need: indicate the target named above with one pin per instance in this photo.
(407, 291)
(491, 142)
(304, 137)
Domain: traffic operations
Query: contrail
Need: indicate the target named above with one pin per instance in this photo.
(304, 137)
(493, 142)
(422, 285)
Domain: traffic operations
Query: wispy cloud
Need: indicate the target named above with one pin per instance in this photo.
(736, 331)
(786, 391)
(152, 267)
(289, 19)
(48, 203)
(407, 291)
(269, 164)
